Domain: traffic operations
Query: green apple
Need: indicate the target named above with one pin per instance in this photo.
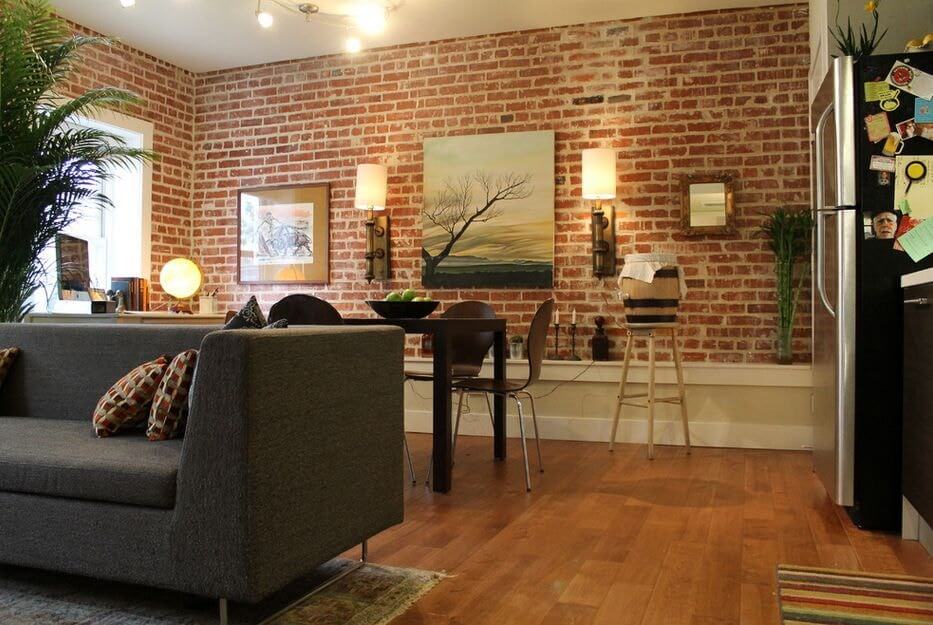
(418, 299)
(409, 294)
(393, 297)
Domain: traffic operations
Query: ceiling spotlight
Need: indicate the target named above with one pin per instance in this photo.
(127, 3)
(353, 44)
(370, 17)
(264, 18)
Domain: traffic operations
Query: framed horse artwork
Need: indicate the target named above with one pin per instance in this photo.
(283, 234)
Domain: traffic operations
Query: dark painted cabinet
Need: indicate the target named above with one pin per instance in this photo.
(918, 399)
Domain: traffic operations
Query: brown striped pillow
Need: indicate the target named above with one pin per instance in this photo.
(170, 405)
(7, 356)
(127, 403)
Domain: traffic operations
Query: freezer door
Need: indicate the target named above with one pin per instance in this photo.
(834, 281)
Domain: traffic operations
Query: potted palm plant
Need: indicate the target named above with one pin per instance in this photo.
(787, 232)
(49, 166)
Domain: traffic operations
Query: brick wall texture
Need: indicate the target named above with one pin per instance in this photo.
(694, 93)
(168, 102)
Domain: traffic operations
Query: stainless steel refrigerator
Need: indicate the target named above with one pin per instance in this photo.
(857, 304)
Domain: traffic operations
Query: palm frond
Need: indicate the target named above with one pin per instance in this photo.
(49, 165)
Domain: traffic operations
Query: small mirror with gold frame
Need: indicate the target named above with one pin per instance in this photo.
(707, 204)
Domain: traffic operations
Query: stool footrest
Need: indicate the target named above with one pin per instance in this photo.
(666, 400)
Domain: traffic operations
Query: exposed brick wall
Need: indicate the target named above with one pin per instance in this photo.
(168, 95)
(690, 93)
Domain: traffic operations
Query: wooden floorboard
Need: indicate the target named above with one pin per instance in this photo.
(616, 539)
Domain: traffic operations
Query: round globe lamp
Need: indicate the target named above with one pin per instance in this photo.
(180, 278)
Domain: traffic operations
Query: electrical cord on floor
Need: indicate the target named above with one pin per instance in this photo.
(556, 386)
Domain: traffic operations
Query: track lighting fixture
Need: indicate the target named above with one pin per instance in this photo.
(127, 3)
(368, 17)
(264, 18)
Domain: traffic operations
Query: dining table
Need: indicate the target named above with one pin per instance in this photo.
(442, 330)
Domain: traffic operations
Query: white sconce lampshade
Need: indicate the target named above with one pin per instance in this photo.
(599, 174)
(371, 184)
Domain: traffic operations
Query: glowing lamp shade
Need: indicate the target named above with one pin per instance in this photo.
(370, 17)
(371, 184)
(180, 278)
(599, 174)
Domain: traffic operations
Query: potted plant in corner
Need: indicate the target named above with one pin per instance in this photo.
(49, 166)
(787, 232)
(516, 347)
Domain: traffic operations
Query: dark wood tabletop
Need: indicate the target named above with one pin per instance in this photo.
(442, 329)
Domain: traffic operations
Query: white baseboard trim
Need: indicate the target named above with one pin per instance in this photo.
(666, 431)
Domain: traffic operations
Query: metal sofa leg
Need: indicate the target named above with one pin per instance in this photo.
(364, 551)
(224, 620)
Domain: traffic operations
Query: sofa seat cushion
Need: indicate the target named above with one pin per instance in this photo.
(59, 458)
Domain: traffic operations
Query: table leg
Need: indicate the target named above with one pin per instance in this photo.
(500, 435)
(442, 422)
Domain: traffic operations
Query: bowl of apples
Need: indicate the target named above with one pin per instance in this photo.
(406, 304)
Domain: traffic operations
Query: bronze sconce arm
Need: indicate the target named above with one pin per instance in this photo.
(604, 234)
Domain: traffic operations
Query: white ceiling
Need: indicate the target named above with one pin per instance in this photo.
(205, 35)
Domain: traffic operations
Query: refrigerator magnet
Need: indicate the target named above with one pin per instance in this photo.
(878, 90)
(877, 126)
(923, 111)
(884, 179)
(911, 80)
(881, 163)
(907, 129)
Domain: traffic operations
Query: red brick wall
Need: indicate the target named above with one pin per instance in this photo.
(168, 94)
(689, 93)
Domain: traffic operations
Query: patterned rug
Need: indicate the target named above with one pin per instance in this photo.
(371, 595)
(811, 595)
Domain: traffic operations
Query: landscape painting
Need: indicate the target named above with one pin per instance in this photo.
(488, 213)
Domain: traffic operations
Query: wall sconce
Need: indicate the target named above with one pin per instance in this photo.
(599, 183)
(371, 188)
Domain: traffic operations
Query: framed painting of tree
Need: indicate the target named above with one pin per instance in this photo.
(488, 212)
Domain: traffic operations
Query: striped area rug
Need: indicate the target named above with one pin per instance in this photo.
(827, 596)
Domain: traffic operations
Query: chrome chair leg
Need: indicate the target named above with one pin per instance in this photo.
(534, 421)
(521, 429)
(492, 419)
(411, 466)
(453, 445)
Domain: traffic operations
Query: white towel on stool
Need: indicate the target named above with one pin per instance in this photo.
(643, 267)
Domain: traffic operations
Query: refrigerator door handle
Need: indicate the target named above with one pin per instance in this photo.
(819, 208)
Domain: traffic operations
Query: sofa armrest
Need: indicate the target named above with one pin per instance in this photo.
(293, 453)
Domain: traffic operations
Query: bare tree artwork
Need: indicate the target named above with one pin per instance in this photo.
(472, 198)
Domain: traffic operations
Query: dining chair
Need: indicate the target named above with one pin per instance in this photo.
(467, 352)
(304, 310)
(513, 389)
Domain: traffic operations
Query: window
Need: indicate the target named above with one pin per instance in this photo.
(118, 237)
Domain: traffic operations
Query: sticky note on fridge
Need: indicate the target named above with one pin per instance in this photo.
(923, 111)
(882, 163)
(877, 91)
(911, 80)
(878, 127)
(918, 241)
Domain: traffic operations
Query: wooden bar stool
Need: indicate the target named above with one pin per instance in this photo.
(650, 332)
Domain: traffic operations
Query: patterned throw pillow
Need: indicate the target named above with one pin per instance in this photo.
(275, 325)
(7, 356)
(170, 405)
(127, 403)
(250, 317)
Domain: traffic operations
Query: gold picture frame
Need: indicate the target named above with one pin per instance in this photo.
(283, 234)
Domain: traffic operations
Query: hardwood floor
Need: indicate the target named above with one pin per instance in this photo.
(615, 539)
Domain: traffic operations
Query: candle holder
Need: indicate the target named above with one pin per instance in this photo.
(556, 341)
(573, 342)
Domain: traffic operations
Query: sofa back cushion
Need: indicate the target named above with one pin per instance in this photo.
(63, 370)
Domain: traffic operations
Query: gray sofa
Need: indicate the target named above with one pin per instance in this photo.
(293, 454)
